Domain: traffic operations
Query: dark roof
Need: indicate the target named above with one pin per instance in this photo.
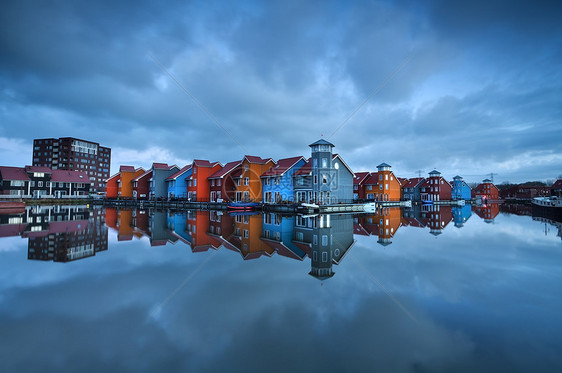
(160, 166)
(557, 184)
(413, 182)
(204, 163)
(435, 172)
(13, 173)
(373, 179)
(46, 170)
(486, 181)
(321, 142)
(127, 169)
(384, 165)
(360, 177)
(256, 159)
(457, 177)
(174, 176)
(282, 166)
(225, 170)
(70, 176)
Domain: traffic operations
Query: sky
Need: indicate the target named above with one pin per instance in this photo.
(467, 88)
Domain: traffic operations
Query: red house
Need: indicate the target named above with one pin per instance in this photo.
(486, 191)
(141, 185)
(198, 183)
(435, 188)
(359, 185)
(221, 182)
(112, 186)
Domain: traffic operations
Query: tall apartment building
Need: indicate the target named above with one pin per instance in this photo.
(68, 153)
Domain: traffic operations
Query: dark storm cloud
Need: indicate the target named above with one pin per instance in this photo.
(471, 71)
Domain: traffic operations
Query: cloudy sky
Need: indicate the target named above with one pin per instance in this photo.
(467, 88)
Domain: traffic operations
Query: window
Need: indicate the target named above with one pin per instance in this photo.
(386, 186)
(245, 167)
(277, 180)
(324, 179)
(324, 240)
(246, 181)
(315, 179)
(213, 182)
(266, 181)
(324, 256)
(219, 182)
(39, 183)
(195, 182)
(324, 163)
(386, 177)
(380, 177)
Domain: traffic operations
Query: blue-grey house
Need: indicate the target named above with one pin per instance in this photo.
(277, 182)
(277, 232)
(158, 187)
(325, 178)
(461, 190)
(176, 183)
(461, 214)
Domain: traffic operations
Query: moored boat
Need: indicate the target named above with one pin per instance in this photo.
(243, 205)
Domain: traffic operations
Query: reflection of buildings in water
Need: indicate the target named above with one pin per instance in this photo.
(516, 208)
(436, 217)
(488, 212)
(384, 224)
(461, 214)
(277, 232)
(160, 234)
(547, 221)
(332, 237)
(59, 233)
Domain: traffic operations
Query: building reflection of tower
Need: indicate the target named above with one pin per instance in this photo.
(384, 224)
(488, 212)
(332, 237)
(436, 217)
(461, 214)
(64, 233)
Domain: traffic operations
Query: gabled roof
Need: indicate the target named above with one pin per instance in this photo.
(557, 184)
(13, 173)
(70, 176)
(179, 173)
(480, 187)
(402, 180)
(116, 176)
(360, 177)
(225, 170)
(373, 179)
(413, 182)
(43, 169)
(306, 169)
(160, 166)
(342, 161)
(127, 169)
(204, 163)
(255, 159)
(283, 165)
(321, 142)
(142, 176)
(237, 173)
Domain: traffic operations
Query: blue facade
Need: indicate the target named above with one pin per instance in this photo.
(461, 214)
(461, 191)
(177, 188)
(177, 222)
(280, 228)
(278, 188)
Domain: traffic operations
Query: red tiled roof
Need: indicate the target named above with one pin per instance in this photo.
(237, 173)
(225, 170)
(127, 169)
(373, 179)
(413, 182)
(70, 176)
(142, 176)
(282, 166)
(480, 187)
(116, 176)
(204, 163)
(160, 166)
(425, 183)
(402, 180)
(557, 184)
(255, 159)
(281, 249)
(179, 173)
(359, 177)
(13, 173)
(46, 170)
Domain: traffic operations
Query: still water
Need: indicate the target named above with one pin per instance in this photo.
(433, 289)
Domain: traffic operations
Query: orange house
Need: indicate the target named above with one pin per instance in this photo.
(383, 185)
(198, 186)
(112, 186)
(197, 226)
(125, 184)
(248, 229)
(389, 219)
(248, 184)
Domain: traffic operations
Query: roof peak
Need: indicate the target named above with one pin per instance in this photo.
(322, 142)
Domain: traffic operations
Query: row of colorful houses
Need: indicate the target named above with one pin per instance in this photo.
(324, 177)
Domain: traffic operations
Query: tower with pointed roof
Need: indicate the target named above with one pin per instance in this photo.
(322, 170)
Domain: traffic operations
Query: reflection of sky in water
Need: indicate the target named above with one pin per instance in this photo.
(485, 297)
